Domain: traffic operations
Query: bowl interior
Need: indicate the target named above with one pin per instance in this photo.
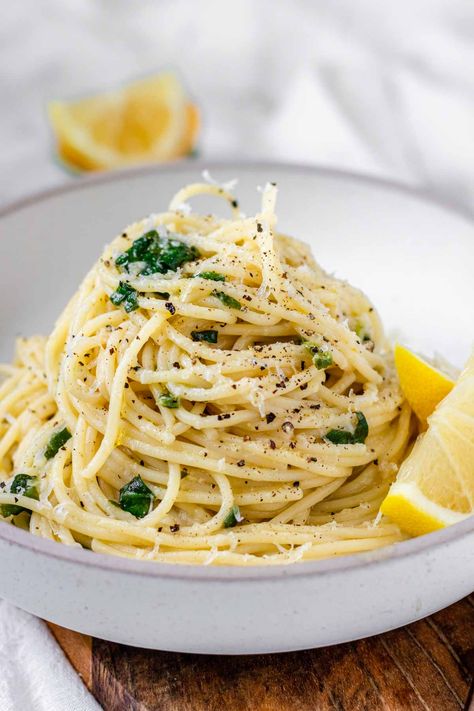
(411, 256)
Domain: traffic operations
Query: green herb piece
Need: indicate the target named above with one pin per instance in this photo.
(22, 520)
(136, 497)
(159, 254)
(340, 436)
(362, 429)
(169, 400)
(172, 255)
(126, 295)
(227, 300)
(345, 437)
(212, 276)
(209, 336)
(24, 485)
(361, 332)
(138, 250)
(10, 510)
(56, 442)
(233, 517)
(322, 359)
(162, 294)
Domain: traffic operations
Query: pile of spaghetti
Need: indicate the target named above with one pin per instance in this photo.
(209, 395)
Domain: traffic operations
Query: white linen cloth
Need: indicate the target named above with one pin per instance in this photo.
(382, 88)
(35, 675)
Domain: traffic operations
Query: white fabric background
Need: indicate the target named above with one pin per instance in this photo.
(380, 87)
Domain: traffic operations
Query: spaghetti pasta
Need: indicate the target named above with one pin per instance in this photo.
(209, 395)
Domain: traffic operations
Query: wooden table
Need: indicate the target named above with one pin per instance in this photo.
(425, 666)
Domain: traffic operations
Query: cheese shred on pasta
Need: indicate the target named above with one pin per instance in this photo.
(209, 395)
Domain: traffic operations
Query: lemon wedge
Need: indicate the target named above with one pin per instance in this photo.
(423, 385)
(435, 484)
(148, 121)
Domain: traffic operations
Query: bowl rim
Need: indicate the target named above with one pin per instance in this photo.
(227, 574)
(84, 181)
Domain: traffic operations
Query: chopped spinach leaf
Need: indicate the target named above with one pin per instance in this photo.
(209, 336)
(345, 437)
(361, 332)
(227, 300)
(169, 400)
(126, 295)
(136, 497)
(340, 436)
(159, 254)
(22, 484)
(212, 276)
(138, 250)
(322, 359)
(362, 429)
(56, 442)
(10, 510)
(233, 517)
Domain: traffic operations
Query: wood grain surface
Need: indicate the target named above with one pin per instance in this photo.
(425, 666)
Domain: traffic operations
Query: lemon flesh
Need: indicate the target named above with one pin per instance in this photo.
(435, 484)
(423, 385)
(150, 120)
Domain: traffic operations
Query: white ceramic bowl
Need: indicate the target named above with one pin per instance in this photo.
(413, 257)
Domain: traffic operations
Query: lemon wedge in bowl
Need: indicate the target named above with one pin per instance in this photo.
(435, 484)
(150, 120)
(423, 384)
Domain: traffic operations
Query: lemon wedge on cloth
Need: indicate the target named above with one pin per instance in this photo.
(148, 121)
(423, 385)
(435, 484)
